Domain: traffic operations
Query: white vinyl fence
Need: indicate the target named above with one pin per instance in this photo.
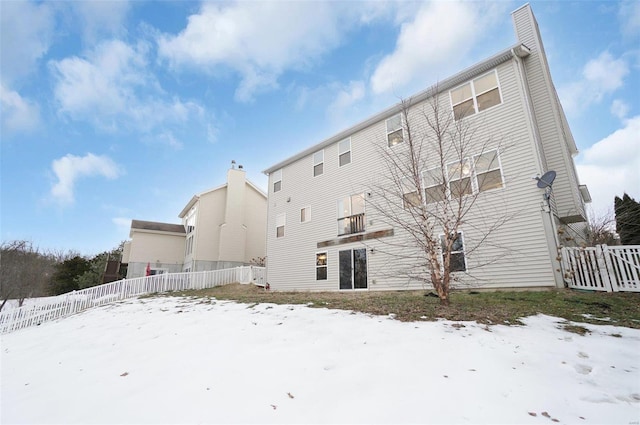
(77, 301)
(602, 268)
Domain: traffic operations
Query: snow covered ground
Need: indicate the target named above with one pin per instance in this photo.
(175, 360)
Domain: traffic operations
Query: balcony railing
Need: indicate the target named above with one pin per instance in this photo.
(351, 224)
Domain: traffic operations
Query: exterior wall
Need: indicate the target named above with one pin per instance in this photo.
(557, 141)
(160, 249)
(211, 207)
(255, 219)
(533, 136)
(516, 255)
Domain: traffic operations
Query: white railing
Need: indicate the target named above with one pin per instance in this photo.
(77, 301)
(602, 268)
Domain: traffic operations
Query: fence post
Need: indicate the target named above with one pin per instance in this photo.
(603, 269)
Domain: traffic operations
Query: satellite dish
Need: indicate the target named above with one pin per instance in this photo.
(546, 180)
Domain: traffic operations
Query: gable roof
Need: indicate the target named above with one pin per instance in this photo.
(157, 226)
(195, 198)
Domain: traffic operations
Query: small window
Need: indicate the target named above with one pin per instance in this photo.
(394, 130)
(435, 188)
(305, 214)
(488, 171)
(321, 266)
(277, 180)
(410, 194)
(475, 96)
(459, 174)
(280, 222)
(457, 262)
(318, 163)
(344, 151)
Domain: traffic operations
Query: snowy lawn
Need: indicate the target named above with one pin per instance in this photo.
(179, 360)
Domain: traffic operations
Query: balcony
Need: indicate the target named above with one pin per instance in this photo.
(350, 225)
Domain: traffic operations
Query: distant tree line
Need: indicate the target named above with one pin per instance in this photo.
(27, 272)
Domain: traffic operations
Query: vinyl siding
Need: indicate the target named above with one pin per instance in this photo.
(527, 263)
(557, 141)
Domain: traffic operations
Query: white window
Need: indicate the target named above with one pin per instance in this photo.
(476, 95)
(410, 193)
(277, 180)
(394, 130)
(321, 266)
(435, 188)
(488, 171)
(189, 245)
(457, 262)
(459, 174)
(280, 222)
(344, 151)
(351, 214)
(318, 163)
(305, 214)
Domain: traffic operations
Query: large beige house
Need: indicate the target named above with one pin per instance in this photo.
(326, 230)
(222, 227)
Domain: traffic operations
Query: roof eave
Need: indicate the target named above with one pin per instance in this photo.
(437, 88)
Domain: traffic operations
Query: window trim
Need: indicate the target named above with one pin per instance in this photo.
(425, 181)
(401, 128)
(463, 251)
(407, 191)
(363, 213)
(277, 178)
(326, 265)
(340, 153)
(475, 95)
(315, 164)
(281, 218)
(307, 215)
(499, 168)
(471, 178)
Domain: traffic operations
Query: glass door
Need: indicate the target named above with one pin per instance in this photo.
(353, 268)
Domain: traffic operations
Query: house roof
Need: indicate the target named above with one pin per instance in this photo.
(156, 226)
(195, 198)
(457, 79)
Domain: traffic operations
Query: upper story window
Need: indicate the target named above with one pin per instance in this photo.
(280, 222)
(277, 180)
(394, 130)
(488, 171)
(459, 174)
(351, 214)
(476, 95)
(318, 163)
(344, 151)
(305, 214)
(410, 194)
(435, 188)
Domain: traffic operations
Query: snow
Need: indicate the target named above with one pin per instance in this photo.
(180, 360)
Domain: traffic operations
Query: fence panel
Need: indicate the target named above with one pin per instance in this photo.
(77, 301)
(602, 268)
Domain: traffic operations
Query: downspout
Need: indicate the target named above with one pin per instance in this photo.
(546, 205)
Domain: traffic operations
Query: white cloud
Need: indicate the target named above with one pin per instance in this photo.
(261, 40)
(100, 18)
(441, 33)
(600, 76)
(619, 108)
(629, 14)
(612, 166)
(18, 113)
(112, 88)
(70, 168)
(26, 31)
(347, 96)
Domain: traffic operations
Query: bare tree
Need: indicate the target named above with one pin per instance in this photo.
(429, 189)
(25, 271)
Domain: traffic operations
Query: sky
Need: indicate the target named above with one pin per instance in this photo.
(116, 110)
(178, 360)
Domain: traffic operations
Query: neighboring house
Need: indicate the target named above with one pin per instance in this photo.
(221, 228)
(323, 235)
(158, 245)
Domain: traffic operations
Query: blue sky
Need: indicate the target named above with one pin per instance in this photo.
(115, 110)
